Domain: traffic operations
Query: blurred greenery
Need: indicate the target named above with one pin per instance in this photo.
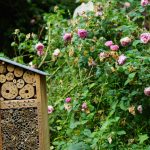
(26, 15)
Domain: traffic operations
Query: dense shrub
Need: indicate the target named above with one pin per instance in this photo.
(97, 76)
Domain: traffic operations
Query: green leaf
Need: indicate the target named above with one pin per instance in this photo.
(143, 138)
(131, 75)
(136, 42)
(91, 85)
(121, 132)
(130, 78)
(78, 146)
(124, 105)
(87, 132)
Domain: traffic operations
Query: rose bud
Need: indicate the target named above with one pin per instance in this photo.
(109, 43)
(84, 105)
(114, 47)
(147, 91)
(50, 109)
(67, 37)
(40, 53)
(145, 37)
(122, 59)
(125, 41)
(56, 52)
(39, 47)
(82, 33)
(139, 108)
(68, 100)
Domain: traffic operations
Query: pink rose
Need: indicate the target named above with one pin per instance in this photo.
(56, 52)
(114, 47)
(145, 37)
(139, 108)
(109, 43)
(125, 41)
(84, 105)
(40, 53)
(39, 47)
(50, 109)
(67, 37)
(144, 2)
(68, 100)
(82, 33)
(122, 59)
(147, 91)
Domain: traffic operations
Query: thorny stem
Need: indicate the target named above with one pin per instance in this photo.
(55, 72)
(76, 86)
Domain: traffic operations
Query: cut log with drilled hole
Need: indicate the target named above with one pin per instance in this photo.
(20, 83)
(9, 90)
(2, 68)
(18, 72)
(29, 77)
(10, 68)
(2, 78)
(27, 91)
(9, 76)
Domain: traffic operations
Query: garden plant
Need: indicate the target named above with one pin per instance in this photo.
(99, 75)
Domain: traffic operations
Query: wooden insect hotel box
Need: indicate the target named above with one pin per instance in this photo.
(23, 107)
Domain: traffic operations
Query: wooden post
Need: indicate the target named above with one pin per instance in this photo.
(42, 112)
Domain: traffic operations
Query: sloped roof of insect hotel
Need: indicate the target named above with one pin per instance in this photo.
(22, 66)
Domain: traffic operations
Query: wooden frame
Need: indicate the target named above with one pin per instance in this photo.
(36, 103)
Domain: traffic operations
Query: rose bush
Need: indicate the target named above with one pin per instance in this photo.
(98, 90)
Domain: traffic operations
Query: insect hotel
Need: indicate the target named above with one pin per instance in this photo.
(23, 107)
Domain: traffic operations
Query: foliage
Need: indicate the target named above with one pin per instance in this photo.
(111, 92)
(27, 16)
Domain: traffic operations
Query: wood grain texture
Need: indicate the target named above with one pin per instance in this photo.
(2, 68)
(11, 104)
(18, 72)
(9, 90)
(2, 78)
(10, 68)
(42, 112)
(29, 77)
(9, 76)
(27, 91)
